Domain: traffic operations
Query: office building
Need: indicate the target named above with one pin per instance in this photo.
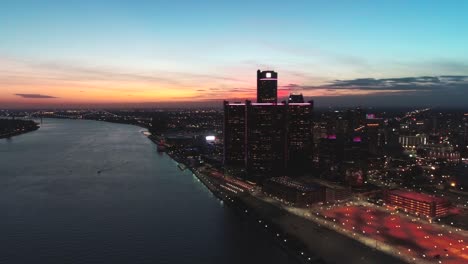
(265, 148)
(412, 142)
(375, 132)
(267, 87)
(299, 135)
(234, 138)
(268, 139)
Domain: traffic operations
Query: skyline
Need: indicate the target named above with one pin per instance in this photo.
(158, 53)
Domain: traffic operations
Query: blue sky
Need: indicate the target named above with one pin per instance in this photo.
(150, 47)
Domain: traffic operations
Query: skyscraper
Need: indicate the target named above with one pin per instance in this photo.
(265, 140)
(268, 139)
(267, 86)
(299, 134)
(375, 135)
(235, 138)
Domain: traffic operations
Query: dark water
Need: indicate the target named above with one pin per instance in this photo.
(56, 208)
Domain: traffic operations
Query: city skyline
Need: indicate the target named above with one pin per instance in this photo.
(54, 54)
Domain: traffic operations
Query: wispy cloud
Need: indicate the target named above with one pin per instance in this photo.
(36, 96)
(423, 83)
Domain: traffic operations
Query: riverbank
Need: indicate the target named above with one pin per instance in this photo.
(217, 186)
(304, 240)
(236, 202)
(15, 127)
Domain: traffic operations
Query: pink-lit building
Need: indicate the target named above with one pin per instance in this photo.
(418, 203)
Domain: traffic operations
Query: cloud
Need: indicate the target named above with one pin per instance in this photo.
(36, 96)
(409, 84)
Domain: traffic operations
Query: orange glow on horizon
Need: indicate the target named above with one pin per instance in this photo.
(33, 85)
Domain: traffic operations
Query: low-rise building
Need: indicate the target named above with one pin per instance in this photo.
(418, 203)
(294, 192)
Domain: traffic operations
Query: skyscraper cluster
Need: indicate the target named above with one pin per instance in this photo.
(265, 139)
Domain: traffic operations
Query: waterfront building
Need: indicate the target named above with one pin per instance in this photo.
(294, 192)
(235, 139)
(299, 131)
(418, 203)
(334, 192)
(267, 86)
(265, 147)
(267, 139)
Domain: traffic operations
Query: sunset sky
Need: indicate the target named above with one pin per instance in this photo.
(62, 53)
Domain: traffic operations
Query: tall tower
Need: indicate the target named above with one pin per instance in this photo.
(235, 138)
(267, 139)
(267, 86)
(265, 148)
(299, 137)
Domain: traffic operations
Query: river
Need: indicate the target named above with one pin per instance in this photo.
(79, 191)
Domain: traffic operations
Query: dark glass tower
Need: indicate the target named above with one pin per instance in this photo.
(234, 137)
(265, 140)
(299, 138)
(268, 139)
(296, 98)
(267, 86)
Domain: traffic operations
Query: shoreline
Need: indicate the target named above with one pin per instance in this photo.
(244, 209)
(301, 239)
(297, 236)
(18, 133)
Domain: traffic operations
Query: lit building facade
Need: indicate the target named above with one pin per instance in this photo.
(267, 86)
(418, 203)
(412, 142)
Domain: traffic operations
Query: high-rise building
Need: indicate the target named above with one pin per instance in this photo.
(234, 137)
(267, 86)
(375, 135)
(330, 155)
(267, 139)
(355, 118)
(296, 98)
(464, 147)
(299, 131)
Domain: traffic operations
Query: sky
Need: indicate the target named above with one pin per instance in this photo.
(160, 53)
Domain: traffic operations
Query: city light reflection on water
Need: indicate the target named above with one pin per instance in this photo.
(80, 191)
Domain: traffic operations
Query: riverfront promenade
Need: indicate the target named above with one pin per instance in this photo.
(320, 242)
(362, 232)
